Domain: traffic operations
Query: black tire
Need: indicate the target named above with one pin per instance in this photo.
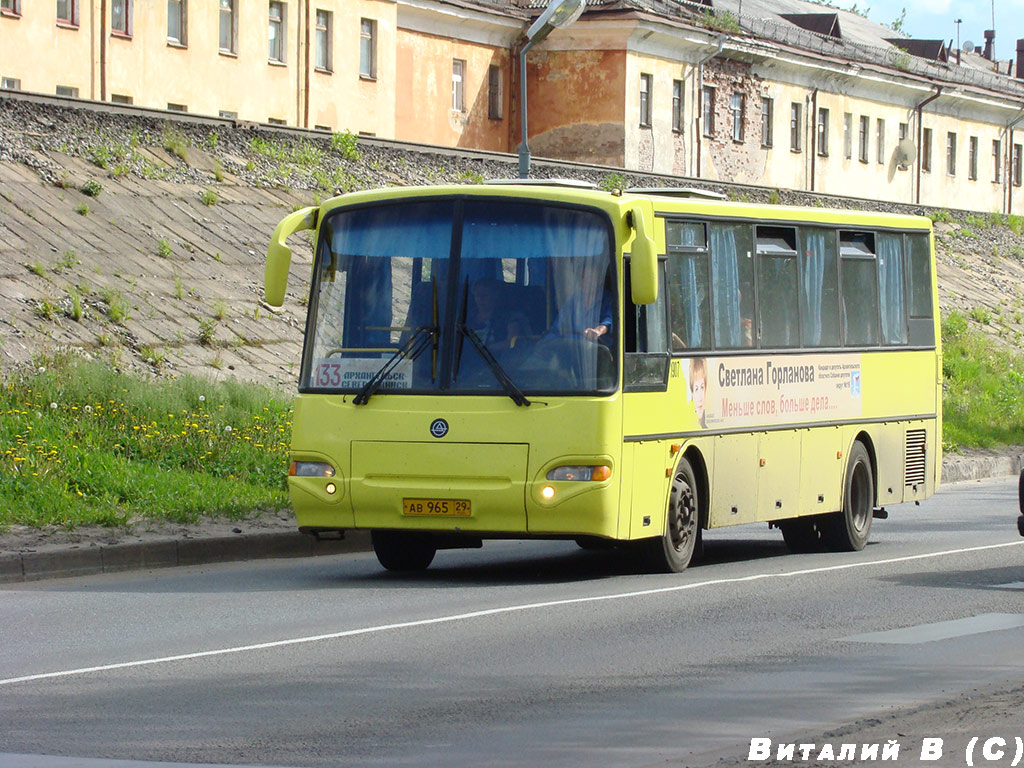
(1020, 492)
(803, 534)
(673, 550)
(848, 530)
(403, 551)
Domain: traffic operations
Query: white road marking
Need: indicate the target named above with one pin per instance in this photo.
(499, 611)
(1011, 585)
(943, 630)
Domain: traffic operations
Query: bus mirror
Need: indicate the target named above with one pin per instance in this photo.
(643, 265)
(279, 255)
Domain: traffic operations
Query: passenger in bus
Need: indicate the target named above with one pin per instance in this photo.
(491, 318)
(587, 312)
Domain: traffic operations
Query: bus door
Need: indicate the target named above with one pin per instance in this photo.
(647, 412)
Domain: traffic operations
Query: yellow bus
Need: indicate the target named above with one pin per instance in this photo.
(529, 360)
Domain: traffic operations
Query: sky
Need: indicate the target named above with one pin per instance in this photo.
(934, 19)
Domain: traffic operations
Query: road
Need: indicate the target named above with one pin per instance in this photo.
(524, 653)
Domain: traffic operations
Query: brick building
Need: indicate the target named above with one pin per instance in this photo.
(782, 93)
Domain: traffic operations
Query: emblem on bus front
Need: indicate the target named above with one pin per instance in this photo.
(439, 428)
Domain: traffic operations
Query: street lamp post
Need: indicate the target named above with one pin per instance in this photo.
(558, 14)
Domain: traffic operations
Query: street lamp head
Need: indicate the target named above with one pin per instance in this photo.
(558, 14)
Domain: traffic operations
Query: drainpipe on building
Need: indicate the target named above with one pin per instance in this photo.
(920, 134)
(1008, 176)
(305, 106)
(699, 101)
(103, 50)
(814, 133)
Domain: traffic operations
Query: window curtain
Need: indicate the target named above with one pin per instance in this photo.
(890, 288)
(725, 283)
(813, 282)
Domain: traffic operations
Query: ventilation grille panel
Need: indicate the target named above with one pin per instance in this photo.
(914, 457)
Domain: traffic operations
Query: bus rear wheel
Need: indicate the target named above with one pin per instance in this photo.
(672, 551)
(849, 529)
(403, 551)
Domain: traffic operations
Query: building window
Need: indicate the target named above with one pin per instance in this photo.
(880, 140)
(678, 102)
(997, 161)
(495, 93)
(121, 16)
(228, 114)
(796, 127)
(324, 25)
(10, 84)
(1017, 171)
(767, 121)
(926, 149)
(277, 121)
(120, 98)
(972, 158)
(458, 85)
(177, 22)
(848, 135)
(277, 30)
(228, 27)
(823, 132)
(67, 12)
(10, 7)
(951, 153)
(707, 108)
(645, 100)
(177, 107)
(737, 106)
(67, 90)
(367, 48)
(863, 139)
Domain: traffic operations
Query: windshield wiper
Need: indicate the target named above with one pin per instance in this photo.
(424, 336)
(499, 373)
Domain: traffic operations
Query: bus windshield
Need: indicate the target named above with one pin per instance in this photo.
(463, 296)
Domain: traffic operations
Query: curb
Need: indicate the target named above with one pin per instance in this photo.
(112, 558)
(957, 469)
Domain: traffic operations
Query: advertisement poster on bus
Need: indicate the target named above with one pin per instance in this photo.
(766, 390)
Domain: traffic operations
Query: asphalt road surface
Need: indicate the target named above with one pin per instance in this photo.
(529, 653)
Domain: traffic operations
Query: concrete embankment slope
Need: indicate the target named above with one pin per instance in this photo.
(176, 236)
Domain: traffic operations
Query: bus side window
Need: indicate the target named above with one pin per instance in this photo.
(732, 279)
(922, 328)
(646, 340)
(688, 286)
(778, 315)
(859, 277)
(891, 288)
(819, 287)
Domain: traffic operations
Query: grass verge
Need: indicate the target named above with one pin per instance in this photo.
(81, 444)
(983, 389)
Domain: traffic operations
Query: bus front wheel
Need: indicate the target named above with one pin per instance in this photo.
(403, 550)
(850, 528)
(672, 551)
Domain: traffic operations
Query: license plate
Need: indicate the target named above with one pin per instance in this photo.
(437, 507)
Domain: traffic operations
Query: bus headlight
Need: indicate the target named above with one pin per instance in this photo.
(580, 472)
(310, 469)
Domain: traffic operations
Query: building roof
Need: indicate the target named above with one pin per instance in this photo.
(816, 29)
